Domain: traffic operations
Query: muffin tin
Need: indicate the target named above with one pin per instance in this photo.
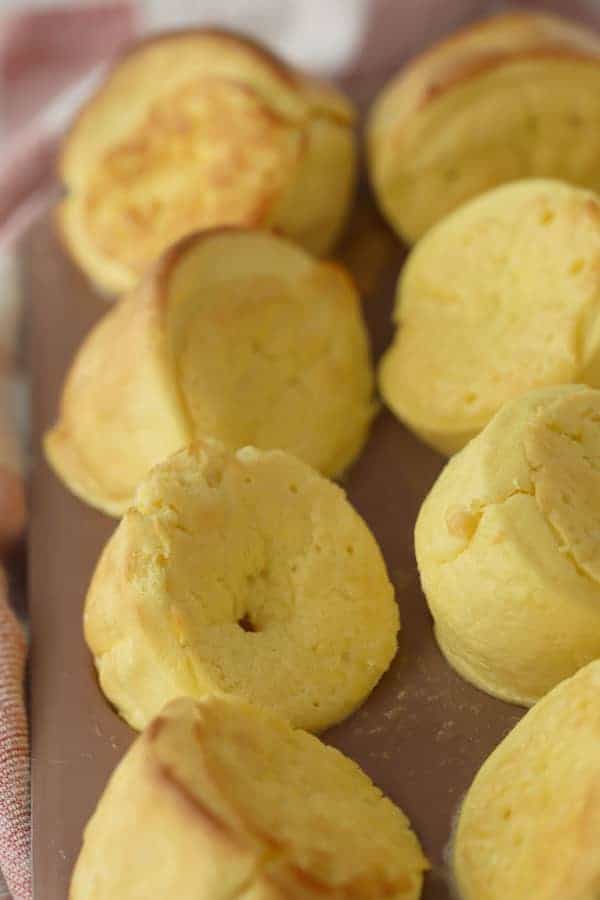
(421, 735)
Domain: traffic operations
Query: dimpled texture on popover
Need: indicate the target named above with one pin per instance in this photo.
(530, 824)
(236, 334)
(197, 129)
(244, 572)
(507, 546)
(511, 97)
(500, 298)
(221, 799)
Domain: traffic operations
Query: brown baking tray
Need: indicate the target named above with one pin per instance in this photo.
(421, 735)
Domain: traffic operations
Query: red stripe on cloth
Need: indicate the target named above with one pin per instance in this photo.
(44, 50)
(25, 169)
(15, 834)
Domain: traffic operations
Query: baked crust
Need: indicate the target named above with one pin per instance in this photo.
(222, 799)
(511, 97)
(530, 822)
(507, 550)
(241, 572)
(236, 334)
(501, 297)
(196, 129)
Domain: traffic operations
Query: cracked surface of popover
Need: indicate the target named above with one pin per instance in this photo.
(507, 546)
(243, 572)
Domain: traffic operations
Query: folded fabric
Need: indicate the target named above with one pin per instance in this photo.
(14, 753)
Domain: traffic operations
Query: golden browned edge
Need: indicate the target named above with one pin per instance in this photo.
(469, 68)
(278, 65)
(207, 818)
(131, 48)
(460, 69)
(192, 803)
(592, 208)
(160, 273)
(465, 68)
(58, 229)
(256, 224)
(55, 219)
(160, 270)
(280, 68)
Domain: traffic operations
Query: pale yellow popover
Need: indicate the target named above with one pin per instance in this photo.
(196, 129)
(508, 547)
(235, 334)
(529, 828)
(221, 799)
(513, 96)
(501, 297)
(246, 572)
